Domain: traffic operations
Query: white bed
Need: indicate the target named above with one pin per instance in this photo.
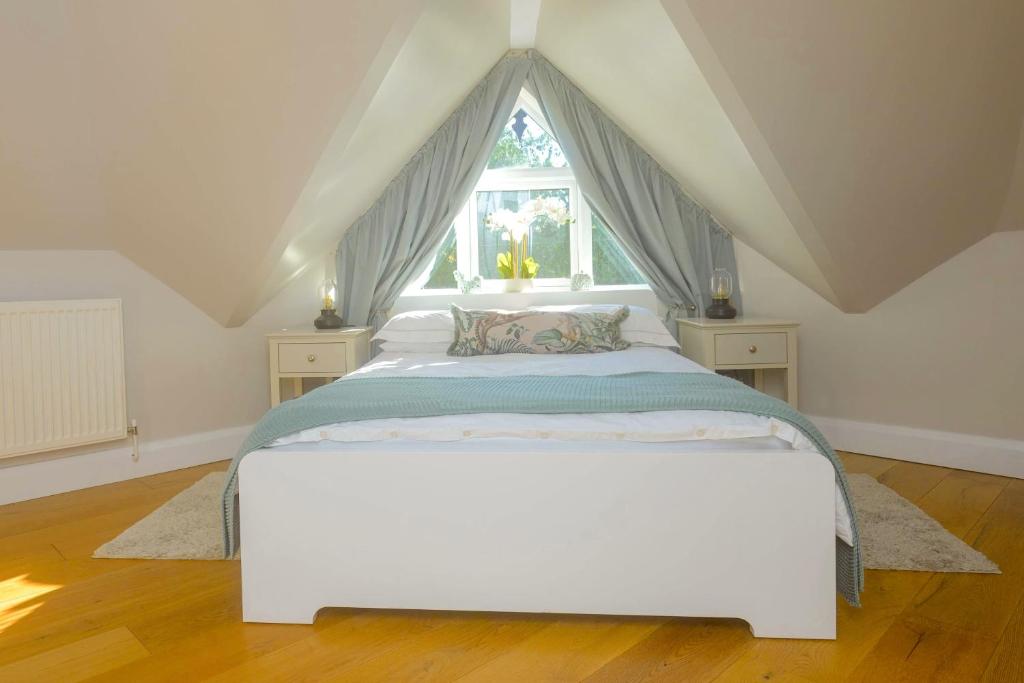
(680, 513)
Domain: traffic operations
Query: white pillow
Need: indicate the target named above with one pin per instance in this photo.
(641, 326)
(447, 335)
(408, 347)
(415, 321)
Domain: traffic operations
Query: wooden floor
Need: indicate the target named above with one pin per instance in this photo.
(66, 617)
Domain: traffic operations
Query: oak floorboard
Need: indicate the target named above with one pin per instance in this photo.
(454, 649)
(678, 650)
(183, 478)
(180, 646)
(28, 557)
(567, 650)
(960, 499)
(27, 585)
(885, 596)
(964, 614)
(206, 654)
(983, 603)
(138, 588)
(77, 661)
(77, 538)
(328, 653)
(39, 513)
(919, 649)
(856, 463)
(56, 602)
(913, 480)
(1007, 663)
(87, 537)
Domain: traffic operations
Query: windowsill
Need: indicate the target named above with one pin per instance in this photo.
(538, 291)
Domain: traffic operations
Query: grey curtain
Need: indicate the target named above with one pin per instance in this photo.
(392, 242)
(674, 242)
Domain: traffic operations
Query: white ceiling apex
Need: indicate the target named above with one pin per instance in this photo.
(523, 16)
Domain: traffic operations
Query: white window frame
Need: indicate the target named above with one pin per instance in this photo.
(524, 179)
(520, 179)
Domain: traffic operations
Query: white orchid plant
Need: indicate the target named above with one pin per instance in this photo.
(514, 227)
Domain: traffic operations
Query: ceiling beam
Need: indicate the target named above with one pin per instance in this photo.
(523, 23)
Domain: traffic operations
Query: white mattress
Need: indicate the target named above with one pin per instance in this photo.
(678, 430)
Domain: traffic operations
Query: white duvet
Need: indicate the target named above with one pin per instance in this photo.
(687, 429)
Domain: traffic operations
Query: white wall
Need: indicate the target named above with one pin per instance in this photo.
(189, 379)
(942, 354)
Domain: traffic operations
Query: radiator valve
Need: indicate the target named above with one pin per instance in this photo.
(133, 431)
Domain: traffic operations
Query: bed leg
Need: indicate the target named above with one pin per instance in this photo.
(811, 626)
(290, 614)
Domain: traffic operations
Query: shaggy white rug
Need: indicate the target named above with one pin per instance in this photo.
(895, 534)
(187, 527)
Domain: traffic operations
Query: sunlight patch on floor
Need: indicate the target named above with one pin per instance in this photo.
(14, 592)
(9, 616)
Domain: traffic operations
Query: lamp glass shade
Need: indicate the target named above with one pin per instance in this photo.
(328, 292)
(721, 284)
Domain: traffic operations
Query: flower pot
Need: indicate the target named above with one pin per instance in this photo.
(517, 284)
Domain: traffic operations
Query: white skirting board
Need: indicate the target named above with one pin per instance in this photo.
(82, 470)
(72, 472)
(948, 449)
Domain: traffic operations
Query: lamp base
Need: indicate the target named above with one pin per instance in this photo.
(328, 320)
(720, 310)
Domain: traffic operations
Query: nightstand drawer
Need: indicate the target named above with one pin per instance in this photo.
(747, 348)
(327, 357)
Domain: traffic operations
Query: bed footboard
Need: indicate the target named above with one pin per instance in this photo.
(747, 535)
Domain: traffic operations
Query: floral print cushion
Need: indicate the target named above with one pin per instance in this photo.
(479, 333)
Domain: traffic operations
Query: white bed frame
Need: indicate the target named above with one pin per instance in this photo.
(748, 535)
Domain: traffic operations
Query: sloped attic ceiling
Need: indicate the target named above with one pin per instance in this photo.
(887, 130)
(179, 133)
(453, 44)
(216, 119)
(50, 195)
(224, 146)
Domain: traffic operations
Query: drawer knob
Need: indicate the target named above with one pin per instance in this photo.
(752, 349)
(311, 357)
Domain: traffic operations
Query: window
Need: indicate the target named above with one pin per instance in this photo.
(610, 266)
(520, 170)
(550, 243)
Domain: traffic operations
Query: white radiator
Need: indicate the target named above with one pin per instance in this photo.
(61, 375)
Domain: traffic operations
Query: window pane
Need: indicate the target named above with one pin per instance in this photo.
(611, 265)
(537, 149)
(548, 243)
(442, 272)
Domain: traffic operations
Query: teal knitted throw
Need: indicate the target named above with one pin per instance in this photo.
(388, 397)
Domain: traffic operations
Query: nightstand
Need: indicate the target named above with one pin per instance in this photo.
(327, 355)
(757, 344)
